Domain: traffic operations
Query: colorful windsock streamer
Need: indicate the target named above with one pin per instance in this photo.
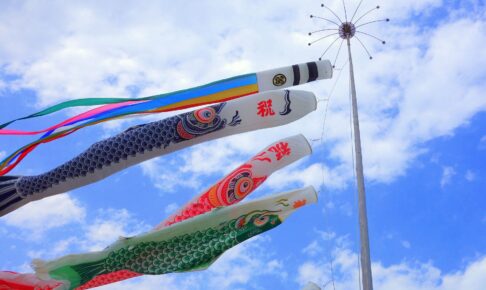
(218, 91)
(187, 246)
(147, 141)
(231, 189)
(114, 108)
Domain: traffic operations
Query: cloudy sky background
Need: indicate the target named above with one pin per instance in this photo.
(422, 112)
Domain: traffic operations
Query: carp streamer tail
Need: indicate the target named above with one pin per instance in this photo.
(8, 191)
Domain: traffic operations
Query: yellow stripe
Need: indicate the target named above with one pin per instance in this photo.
(212, 98)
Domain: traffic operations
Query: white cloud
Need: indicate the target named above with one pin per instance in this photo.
(406, 244)
(63, 246)
(40, 216)
(166, 175)
(204, 160)
(193, 165)
(327, 236)
(482, 143)
(24, 268)
(3, 154)
(409, 276)
(470, 176)
(109, 225)
(312, 249)
(398, 11)
(243, 265)
(59, 248)
(315, 174)
(171, 208)
(346, 208)
(447, 173)
(471, 278)
(312, 272)
(82, 48)
(395, 128)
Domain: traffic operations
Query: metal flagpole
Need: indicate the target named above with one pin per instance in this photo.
(346, 30)
(366, 276)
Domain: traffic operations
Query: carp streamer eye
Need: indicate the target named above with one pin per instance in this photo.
(205, 115)
(240, 222)
(261, 221)
(243, 186)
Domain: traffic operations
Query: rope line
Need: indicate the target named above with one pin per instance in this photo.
(324, 190)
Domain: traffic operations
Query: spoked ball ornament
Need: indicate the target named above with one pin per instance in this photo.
(338, 28)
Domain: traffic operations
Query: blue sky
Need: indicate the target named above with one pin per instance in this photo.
(422, 109)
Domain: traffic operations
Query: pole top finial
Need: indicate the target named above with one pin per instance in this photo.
(345, 28)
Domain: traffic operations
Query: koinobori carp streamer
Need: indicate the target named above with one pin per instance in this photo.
(190, 245)
(231, 189)
(243, 180)
(147, 141)
(113, 108)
